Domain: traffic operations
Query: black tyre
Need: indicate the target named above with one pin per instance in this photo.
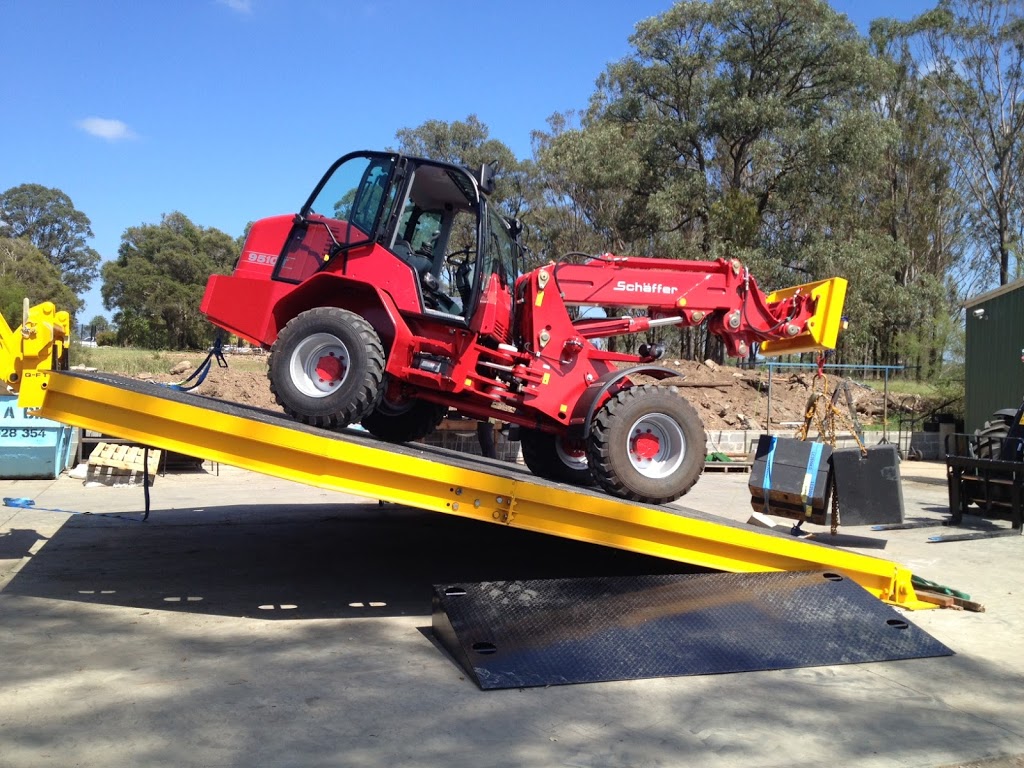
(991, 437)
(992, 442)
(647, 444)
(326, 367)
(403, 422)
(555, 458)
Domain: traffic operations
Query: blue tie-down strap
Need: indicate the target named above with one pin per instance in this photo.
(199, 374)
(769, 463)
(23, 503)
(811, 478)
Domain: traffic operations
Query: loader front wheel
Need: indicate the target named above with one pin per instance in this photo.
(326, 367)
(647, 444)
(405, 421)
(555, 458)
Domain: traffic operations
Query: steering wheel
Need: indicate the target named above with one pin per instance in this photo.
(459, 257)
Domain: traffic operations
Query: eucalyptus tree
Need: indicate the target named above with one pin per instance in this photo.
(155, 284)
(48, 219)
(921, 208)
(972, 54)
(25, 273)
(728, 130)
(468, 143)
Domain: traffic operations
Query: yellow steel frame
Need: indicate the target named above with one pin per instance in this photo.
(330, 461)
(30, 349)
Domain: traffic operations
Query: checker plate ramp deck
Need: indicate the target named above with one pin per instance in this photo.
(517, 634)
(442, 481)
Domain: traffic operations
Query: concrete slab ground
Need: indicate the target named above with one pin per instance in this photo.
(254, 622)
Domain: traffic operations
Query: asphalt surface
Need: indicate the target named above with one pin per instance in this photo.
(254, 622)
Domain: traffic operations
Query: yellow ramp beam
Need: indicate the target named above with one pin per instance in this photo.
(266, 443)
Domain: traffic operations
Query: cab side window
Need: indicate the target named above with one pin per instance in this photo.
(502, 248)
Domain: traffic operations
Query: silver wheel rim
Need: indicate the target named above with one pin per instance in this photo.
(572, 457)
(656, 445)
(319, 365)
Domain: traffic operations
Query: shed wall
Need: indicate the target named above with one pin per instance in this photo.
(994, 359)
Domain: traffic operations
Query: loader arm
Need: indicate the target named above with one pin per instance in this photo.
(723, 292)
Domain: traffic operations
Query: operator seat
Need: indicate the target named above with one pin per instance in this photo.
(433, 296)
(418, 261)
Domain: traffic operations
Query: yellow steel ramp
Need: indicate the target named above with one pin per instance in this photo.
(442, 481)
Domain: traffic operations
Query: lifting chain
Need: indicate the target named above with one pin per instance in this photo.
(823, 412)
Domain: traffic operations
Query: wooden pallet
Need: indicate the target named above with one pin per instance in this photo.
(119, 464)
(727, 466)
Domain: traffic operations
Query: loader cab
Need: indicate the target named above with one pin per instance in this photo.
(436, 231)
(465, 252)
(433, 217)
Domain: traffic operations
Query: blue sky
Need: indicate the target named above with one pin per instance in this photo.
(230, 110)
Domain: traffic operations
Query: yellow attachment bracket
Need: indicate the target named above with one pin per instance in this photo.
(822, 328)
(29, 352)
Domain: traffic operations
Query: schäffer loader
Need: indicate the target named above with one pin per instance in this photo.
(397, 292)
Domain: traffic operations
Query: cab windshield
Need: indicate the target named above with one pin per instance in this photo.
(344, 212)
(356, 192)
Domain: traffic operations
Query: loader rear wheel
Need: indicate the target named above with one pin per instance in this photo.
(326, 367)
(405, 421)
(647, 444)
(555, 458)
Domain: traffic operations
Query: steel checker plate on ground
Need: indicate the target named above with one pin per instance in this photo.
(514, 634)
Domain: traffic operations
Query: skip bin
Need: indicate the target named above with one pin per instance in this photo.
(32, 447)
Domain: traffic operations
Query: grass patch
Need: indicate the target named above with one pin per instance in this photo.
(131, 362)
(911, 387)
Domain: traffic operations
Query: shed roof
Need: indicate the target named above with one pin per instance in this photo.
(1003, 289)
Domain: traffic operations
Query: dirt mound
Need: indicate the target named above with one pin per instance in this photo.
(733, 398)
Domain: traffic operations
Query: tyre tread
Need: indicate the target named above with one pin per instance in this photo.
(369, 393)
(600, 449)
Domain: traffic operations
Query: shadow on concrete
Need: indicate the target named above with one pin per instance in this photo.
(18, 542)
(310, 561)
(320, 694)
(925, 480)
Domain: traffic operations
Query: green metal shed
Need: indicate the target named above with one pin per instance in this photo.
(994, 357)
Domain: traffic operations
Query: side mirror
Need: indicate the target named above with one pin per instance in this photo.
(486, 178)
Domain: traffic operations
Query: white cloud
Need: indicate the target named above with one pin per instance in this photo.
(242, 6)
(111, 130)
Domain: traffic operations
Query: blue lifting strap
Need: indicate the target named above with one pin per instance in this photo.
(810, 478)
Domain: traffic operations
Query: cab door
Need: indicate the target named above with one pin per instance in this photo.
(498, 264)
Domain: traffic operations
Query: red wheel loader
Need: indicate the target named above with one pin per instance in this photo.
(397, 292)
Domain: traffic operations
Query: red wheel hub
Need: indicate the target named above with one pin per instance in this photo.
(645, 445)
(329, 368)
(575, 449)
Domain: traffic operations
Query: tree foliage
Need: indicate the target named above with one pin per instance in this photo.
(25, 273)
(735, 128)
(156, 283)
(468, 143)
(972, 52)
(49, 220)
(100, 323)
